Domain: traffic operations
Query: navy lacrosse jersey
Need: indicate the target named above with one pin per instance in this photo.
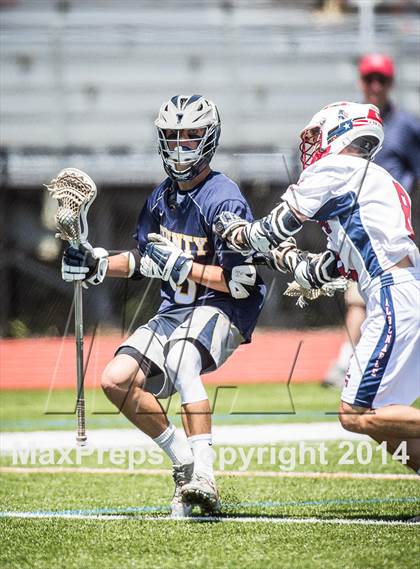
(186, 219)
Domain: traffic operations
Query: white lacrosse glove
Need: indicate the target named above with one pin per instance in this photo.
(163, 260)
(85, 264)
(229, 226)
(275, 258)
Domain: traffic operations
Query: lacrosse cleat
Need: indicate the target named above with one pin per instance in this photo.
(202, 491)
(182, 474)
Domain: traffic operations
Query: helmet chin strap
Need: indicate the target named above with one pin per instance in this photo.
(189, 173)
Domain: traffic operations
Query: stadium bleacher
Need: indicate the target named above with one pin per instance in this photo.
(92, 74)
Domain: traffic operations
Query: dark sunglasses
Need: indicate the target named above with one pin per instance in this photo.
(382, 79)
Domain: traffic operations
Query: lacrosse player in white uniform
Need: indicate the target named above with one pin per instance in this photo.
(365, 214)
(210, 299)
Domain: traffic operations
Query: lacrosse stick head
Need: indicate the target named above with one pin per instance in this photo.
(74, 191)
(304, 294)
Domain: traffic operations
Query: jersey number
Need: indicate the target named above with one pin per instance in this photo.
(186, 293)
(406, 207)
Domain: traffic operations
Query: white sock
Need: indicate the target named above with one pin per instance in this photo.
(175, 445)
(204, 454)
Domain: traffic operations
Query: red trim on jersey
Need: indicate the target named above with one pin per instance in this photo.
(351, 274)
(406, 207)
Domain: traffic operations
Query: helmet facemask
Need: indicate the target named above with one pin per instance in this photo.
(176, 151)
(309, 146)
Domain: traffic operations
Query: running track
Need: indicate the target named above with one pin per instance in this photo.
(42, 363)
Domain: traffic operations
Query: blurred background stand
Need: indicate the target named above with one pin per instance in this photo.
(81, 83)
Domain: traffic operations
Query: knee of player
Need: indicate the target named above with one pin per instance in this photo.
(350, 423)
(113, 378)
(108, 380)
(121, 373)
(350, 419)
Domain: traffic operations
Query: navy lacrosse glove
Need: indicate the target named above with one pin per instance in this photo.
(162, 259)
(84, 264)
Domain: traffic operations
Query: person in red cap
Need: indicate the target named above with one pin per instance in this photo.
(377, 75)
(401, 148)
(400, 156)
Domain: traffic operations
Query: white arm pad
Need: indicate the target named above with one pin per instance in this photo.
(131, 263)
(270, 231)
(241, 280)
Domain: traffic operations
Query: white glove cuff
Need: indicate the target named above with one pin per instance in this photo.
(99, 252)
(185, 271)
(102, 255)
(166, 273)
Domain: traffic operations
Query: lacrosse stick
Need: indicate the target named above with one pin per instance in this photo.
(304, 294)
(75, 191)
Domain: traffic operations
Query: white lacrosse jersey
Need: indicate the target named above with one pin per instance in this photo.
(362, 209)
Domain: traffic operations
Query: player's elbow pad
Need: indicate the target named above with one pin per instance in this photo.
(134, 259)
(270, 231)
(241, 280)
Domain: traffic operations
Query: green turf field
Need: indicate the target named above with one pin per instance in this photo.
(134, 541)
(256, 404)
(309, 516)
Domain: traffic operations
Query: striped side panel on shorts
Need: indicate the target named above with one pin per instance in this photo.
(376, 366)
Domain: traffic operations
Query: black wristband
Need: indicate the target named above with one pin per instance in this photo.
(136, 276)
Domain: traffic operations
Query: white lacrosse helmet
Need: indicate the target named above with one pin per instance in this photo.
(187, 112)
(338, 125)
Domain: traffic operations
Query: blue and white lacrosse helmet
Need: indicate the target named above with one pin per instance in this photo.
(338, 125)
(189, 113)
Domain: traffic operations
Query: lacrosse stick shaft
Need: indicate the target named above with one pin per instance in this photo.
(75, 191)
(81, 437)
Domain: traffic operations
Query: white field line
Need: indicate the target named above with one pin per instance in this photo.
(222, 435)
(250, 519)
(234, 473)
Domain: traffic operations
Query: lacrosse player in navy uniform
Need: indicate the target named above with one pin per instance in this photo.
(211, 297)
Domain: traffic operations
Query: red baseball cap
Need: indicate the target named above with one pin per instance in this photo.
(376, 63)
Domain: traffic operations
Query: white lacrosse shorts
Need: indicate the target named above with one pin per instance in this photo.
(207, 327)
(385, 367)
